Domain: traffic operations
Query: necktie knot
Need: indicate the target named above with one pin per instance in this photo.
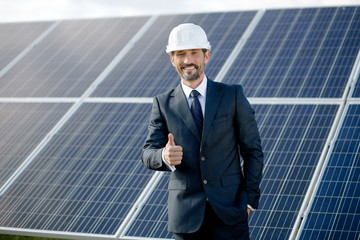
(194, 94)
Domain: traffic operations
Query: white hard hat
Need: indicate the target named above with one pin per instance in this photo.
(187, 36)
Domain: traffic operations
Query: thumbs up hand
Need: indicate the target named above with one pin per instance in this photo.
(172, 153)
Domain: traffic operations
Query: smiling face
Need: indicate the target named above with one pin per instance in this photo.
(190, 65)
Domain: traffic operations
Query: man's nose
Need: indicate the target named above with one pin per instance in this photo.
(187, 59)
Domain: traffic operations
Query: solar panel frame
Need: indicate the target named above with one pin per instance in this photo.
(333, 203)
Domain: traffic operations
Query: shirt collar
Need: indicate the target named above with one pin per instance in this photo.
(201, 88)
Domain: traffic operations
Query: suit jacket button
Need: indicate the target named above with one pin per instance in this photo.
(202, 158)
(205, 182)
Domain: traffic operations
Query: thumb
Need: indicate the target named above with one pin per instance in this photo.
(171, 141)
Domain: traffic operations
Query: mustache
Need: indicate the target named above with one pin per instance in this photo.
(189, 65)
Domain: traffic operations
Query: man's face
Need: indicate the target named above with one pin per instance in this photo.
(190, 63)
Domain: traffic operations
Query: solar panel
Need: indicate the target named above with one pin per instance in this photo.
(22, 127)
(147, 70)
(87, 181)
(299, 53)
(152, 219)
(88, 176)
(15, 37)
(293, 137)
(356, 92)
(335, 211)
(67, 61)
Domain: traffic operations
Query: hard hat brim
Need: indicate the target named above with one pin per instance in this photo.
(186, 47)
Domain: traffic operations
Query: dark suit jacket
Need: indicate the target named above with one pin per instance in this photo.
(210, 167)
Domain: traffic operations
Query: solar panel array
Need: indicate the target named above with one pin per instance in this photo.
(75, 103)
(335, 211)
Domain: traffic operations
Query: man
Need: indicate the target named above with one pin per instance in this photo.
(199, 136)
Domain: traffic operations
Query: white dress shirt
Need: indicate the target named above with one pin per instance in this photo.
(202, 99)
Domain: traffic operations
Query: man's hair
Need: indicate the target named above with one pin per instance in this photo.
(204, 51)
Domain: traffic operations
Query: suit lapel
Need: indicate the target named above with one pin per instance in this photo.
(178, 102)
(213, 98)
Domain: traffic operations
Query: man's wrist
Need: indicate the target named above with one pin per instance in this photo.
(172, 168)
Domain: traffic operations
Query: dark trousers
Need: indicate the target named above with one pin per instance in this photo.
(213, 228)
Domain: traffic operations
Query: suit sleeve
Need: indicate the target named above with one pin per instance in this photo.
(156, 140)
(250, 147)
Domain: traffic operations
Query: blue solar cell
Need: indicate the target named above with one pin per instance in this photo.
(356, 93)
(152, 220)
(146, 71)
(290, 162)
(22, 127)
(299, 53)
(15, 37)
(70, 58)
(335, 212)
(87, 177)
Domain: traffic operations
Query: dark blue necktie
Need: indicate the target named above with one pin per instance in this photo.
(196, 110)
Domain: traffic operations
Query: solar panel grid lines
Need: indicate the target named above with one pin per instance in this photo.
(259, 47)
(63, 120)
(138, 205)
(334, 212)
(15, 37)
(305, 17)
(224, 37)
(319, 49)
(282, 41)
(75, 50)
(23, 126)
(238, 47)
(264, 51)
(275, 216)
(333, 66)
(56, 212)
(336, 50)
(40, 51)
(282, 119)
(318, 169)
(152, 219)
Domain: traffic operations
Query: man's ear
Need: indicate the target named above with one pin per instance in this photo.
(172, 59)
(207, 56)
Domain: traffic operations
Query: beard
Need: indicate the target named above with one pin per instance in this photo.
(187, 74)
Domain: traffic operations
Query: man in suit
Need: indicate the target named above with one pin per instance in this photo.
(199, 136)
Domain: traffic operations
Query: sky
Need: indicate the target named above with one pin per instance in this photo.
(44, 10)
